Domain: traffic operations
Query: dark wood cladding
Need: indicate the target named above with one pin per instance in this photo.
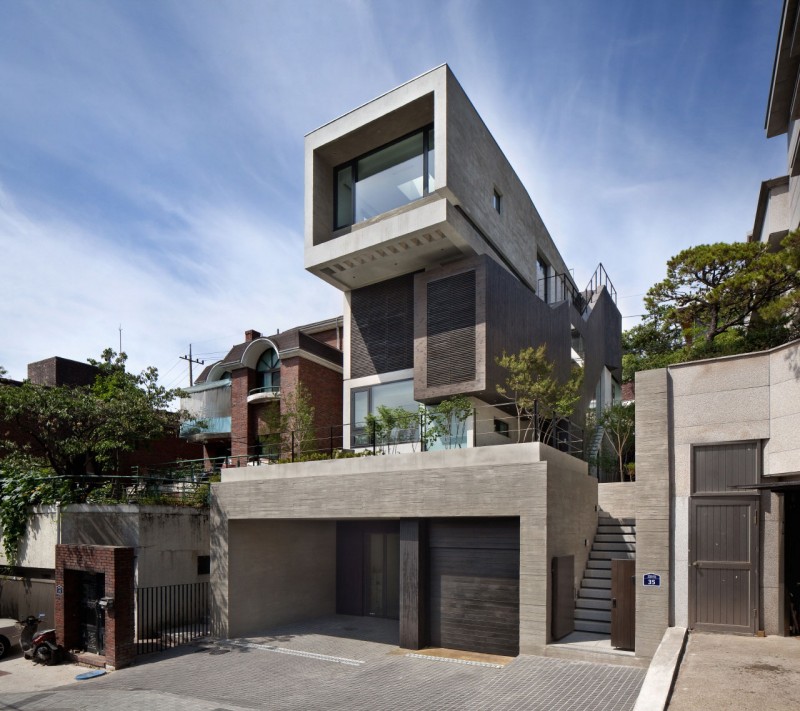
(623, 604)
(474, 584)
(413, 583)
(563, 608)
(451, 329)
(382, 335)
(349, 568)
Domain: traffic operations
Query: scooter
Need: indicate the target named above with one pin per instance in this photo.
(40, 647)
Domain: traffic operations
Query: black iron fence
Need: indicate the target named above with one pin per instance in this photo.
(171, 615)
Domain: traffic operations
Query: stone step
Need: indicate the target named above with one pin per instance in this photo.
(596, 593)
(588, 603)
(616, 530)
(596, 627)
(603, 517)
(596, 583)
(600, 564)
(610, 555)
(593, 615)
(621, 546)
(604, 573)
(615, 538)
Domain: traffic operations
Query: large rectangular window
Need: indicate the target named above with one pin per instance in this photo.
(367, 401)
(391, 176)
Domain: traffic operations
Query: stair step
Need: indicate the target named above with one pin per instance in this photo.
(616, 530)
(600, 564)
(588, 603)
(603, 517)
(593, 615)
(596, 583)
(610, 555)
(596, 593)
(615, 538)
(614, 546)
(597, 627)
(604, 573)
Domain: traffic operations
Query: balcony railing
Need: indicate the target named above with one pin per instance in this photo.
(206, 426)
(273, 391)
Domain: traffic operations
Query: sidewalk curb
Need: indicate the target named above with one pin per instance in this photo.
(662, 671)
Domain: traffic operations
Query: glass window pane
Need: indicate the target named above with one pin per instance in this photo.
(360, 407)
(397, 394)
(431, 163)
(388, 157)
(344, 197)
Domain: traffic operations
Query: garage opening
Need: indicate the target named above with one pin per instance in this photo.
(368, 568)
(474, 584)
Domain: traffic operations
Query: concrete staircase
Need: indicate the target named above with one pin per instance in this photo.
(615, 538)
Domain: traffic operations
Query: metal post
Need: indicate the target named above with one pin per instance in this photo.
(291, 456)
(536, 419)
(474, 426)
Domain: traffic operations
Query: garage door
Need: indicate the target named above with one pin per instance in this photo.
(474, 585)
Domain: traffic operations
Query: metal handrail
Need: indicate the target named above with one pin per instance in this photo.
(271, 389)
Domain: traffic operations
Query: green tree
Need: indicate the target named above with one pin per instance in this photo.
(80, 430)
(619, 430)
(537, 395)
(297, 420)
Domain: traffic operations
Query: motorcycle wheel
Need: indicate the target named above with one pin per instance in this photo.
(43, 655)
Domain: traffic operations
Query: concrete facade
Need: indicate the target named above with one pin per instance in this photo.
(753, 397)
(281, 516)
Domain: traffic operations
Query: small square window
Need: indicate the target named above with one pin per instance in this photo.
(501, 427)
(497, 199)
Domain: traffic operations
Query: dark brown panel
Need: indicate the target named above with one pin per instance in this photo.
(720, 468)
(451, 329)
(723, 554)
(349, 568)
(382, 318)
(474, 584)
(623, 604)
(413, 584)
(563, 595)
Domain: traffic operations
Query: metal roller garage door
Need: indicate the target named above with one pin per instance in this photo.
(474, 584)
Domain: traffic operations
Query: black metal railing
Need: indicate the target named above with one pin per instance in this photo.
(171, 615)
(599, 280)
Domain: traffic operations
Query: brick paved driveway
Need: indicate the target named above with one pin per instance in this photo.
(340, 663)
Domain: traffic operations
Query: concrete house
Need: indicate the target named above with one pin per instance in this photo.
(415, 214)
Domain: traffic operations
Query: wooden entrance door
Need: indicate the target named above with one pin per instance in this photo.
(723, 559)
(623, 603)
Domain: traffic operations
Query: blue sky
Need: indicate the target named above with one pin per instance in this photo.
(151, 152)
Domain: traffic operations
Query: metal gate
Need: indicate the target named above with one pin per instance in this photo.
(171, 615)
(723, 555)
(92, 616)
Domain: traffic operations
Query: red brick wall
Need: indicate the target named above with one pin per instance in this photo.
(325, 388)
(116, 563)
(242, 425)
(328, 337)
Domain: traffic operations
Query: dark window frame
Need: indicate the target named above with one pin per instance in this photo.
(353, 165)
(497, 201)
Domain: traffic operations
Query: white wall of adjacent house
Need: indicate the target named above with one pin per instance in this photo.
(168, 539)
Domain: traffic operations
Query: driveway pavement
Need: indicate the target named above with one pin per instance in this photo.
(721, 671)
(348, 663)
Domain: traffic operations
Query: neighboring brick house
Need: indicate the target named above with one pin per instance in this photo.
(236, 403)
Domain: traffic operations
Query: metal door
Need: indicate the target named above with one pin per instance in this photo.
(723, 560)
(92, 616)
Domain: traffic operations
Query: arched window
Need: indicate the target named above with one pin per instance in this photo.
(269, 371)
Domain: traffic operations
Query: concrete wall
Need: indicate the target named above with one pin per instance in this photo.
(284, 571)
(617, 499)
(490, 481)
(739, 398)
(167, 540)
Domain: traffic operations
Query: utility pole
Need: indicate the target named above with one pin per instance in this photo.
(120, 339)
(191, 360)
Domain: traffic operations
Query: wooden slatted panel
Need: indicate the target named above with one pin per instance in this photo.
(723, 557)
(382, 319)
(474, 585)
(451, 329)
(719, 468)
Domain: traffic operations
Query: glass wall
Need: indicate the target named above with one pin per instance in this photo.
(367, 401)
(382, 180)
